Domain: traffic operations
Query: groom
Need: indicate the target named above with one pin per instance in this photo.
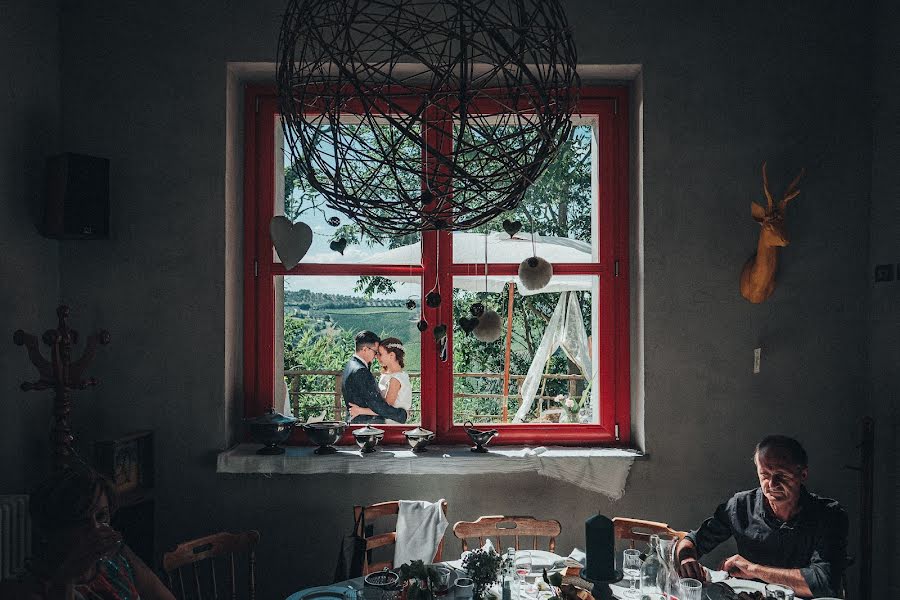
(358, 385)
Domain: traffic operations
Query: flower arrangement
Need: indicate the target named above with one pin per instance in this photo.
(482, 567)
(421, 579)
(571, 407)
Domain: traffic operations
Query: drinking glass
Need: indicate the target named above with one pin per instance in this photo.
(631, 568)
(779, 592)
(689, 589)
(464, 587)
(441, 580)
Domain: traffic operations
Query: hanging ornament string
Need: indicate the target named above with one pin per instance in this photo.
(531, 223)
(433, 298)
(485, 264)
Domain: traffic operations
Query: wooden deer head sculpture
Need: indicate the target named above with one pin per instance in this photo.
(758, 276)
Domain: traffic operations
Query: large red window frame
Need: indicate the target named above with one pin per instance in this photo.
(609, 105)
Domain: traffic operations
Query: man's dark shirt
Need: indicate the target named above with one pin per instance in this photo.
(814, 540)
(358, 386)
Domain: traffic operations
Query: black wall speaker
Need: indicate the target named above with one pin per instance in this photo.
(77, 201)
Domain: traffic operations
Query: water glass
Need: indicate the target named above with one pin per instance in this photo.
(463, 590)
(690, 589)
(779, 592)
(631, 567)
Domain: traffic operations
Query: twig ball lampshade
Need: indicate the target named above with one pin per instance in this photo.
(480, 92)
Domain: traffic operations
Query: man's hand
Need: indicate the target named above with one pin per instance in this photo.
(687, 563)
(738, 566)
(356, 411)
(691, 567)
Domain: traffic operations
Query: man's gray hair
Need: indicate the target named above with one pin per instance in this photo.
(791, 448)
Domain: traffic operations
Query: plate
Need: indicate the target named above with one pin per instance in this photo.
(541, 559)
(745, 585)
(325, 592)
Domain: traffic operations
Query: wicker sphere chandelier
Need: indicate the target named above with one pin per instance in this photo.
(409, 115)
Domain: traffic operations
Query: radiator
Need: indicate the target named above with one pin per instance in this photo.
(15, 535)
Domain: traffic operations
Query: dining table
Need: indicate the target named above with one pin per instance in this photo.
(535, 589)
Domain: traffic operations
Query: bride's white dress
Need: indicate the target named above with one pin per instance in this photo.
(404, 396)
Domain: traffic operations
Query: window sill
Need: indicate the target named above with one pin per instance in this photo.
(603, 470)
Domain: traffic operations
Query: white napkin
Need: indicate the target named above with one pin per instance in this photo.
(578, 556)
(316, 419)
(420, 528)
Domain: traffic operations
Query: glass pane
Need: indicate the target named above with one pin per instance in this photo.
(558, 208)
(552, 362)
(297, 199)
(321, 316)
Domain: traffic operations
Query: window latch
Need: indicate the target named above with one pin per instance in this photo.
(256, 268)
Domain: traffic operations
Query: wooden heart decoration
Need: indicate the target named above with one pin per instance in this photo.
(291, 240)
(467, 325)
(440, 331)
(422, 325)
(338, 245)
(512, 227)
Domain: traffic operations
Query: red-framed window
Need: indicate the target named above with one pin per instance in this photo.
(297, 323)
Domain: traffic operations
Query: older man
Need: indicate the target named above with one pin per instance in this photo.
(784, 533)
(359, 388)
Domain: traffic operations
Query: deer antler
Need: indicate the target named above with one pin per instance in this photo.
(792, 192)
(766, 188)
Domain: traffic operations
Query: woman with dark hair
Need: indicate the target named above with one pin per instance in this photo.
(80, 556)
(394, 382)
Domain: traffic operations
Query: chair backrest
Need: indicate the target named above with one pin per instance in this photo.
(382, 540)
(512, 527)
(639, 530)
(219, 550)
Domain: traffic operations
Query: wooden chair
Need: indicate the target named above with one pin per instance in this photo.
(498, 526)
(382, 540)
(639, 530)
(220, 545)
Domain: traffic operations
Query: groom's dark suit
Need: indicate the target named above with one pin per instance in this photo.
(358, 386)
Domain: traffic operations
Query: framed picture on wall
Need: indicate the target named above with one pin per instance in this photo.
(127, 461)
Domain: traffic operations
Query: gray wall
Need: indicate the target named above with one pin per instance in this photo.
(726, 85)
(884, 348)
(29, 263)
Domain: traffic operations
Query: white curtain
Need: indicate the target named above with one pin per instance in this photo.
(565, 330)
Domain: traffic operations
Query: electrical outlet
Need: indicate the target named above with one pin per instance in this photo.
(884, 273)
(757, 355)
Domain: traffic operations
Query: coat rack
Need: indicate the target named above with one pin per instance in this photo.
(62, 374)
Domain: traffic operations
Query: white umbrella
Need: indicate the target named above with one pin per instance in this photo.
(497, 247)
(469, 248)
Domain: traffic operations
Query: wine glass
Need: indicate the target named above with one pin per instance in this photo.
(523, 561)
(631, 567)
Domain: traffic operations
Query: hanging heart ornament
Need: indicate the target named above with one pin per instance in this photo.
(338, 245)
(512, 227)
(291, 240)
